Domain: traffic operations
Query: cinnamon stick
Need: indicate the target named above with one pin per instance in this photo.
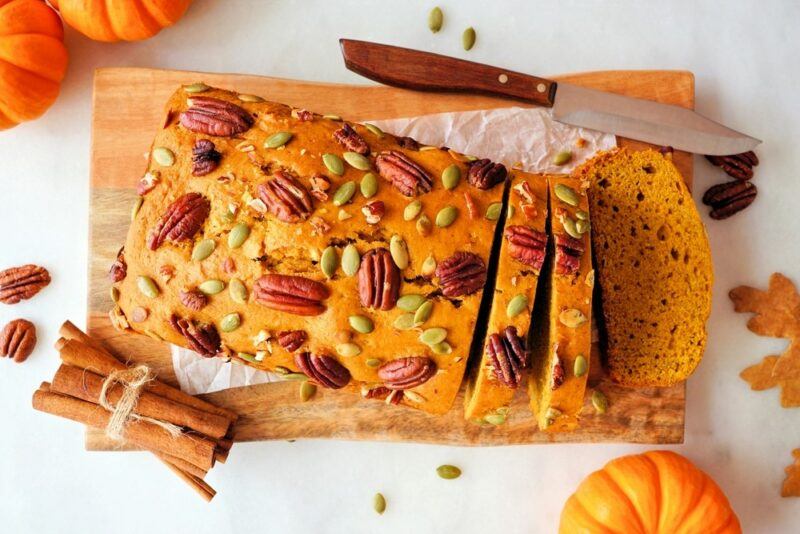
(198, 484)
(183, 465)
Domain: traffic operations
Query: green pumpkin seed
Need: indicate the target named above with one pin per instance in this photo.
(572, 318)
(197, 87)
(295, 376)
(281, 370)
(428, 266)
(356, 161)
(238, 235)
(442, 348)
(435, 19)
(581, 366)
(413, 396)
(582, 215)
(468, 38)
(334, 163)
(562, 157)
(369, 185)
(374, 129)
(344, 193)
(399, 251)
(379, 503)
(277, 139)
(329, 262)
(570, 227)
(373, 362)
(250, 98)
(599, 401)
(404, 321)
(510, 212)
(351, 260)
(247, 356)
(203, 249)
(410, 302)
(432, 336)
(451, 176)
(412, 210)
(448, 472)
(424, 311)
(348, 350)
(164, 156)
(307, 390)
(493, 211)
(446, 216)
(424, 225)
(361, 324)
(516, 305)
(566, 194)
(237, 290)
(495, 419)
(336, 118)
(114, 293)
(590, 278)
(230, 322)
(147, 286)
(137, 204)
(551, 415)
(211, 287)
(582, 226)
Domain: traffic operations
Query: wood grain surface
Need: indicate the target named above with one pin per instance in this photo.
(126, 113)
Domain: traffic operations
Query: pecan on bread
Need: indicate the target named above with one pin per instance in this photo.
(507, 356)
(405, 175)
(461, 274)
(292, 294)
(378, 280)
(183, 218)
(407, 373)
(323, 370)
(212, 116)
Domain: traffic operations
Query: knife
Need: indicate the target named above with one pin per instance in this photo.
(660, 124)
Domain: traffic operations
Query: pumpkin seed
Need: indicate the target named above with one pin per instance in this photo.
(329, 262)
(510, 212)
(468, 38)
(211, 287)
(590, 278)
(379, 503)
(599, 401)
(331, 117)
(562, 157)
(435, 19)
(369, 185)
(295, 376)
(348, 350)
(448, 472)
(164, 156)
(516, 305)
(238, 235)
(582, 215)
(147, 287)
(307, 390)
(424, 226)
(277, 139)
(374, 129)
(399, 251)
(551, 415)
(572, 318)
(114, 293)
(428, 266)
(451, 176)
(344, 193)
(281, 370)
(373, 362)
(230, 322)
(495, 419)
(410, 302)
(581, 366)
(582, 226)
(334, 163)
(203, 249)
(442, 348)
(137, 204)
(493, 211)
(413, 396)
(412, 210)
(247, 356)
(570, 227)
(566, 194)
(351, 260)
(404, 321)
(424, 311)
(356, 160)
(432, 336)
(446, 216)
(237, 290)
(361, 324)
(197, 87)
(250, 98)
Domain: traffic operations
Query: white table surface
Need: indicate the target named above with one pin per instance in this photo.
(744, 56)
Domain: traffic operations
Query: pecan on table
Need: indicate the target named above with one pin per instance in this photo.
(292, 294)
(405, 175)
(291, 340)
(194, 299)
(409, 143)
(463, 273)
(119, 269)
(739, 166)
(212, 116)
(526, 245)
(507, 356)
(484, 174)
(568, 254)
(407, 373)
(323, 370)
(349, 139)
(729, 198)
(201, 338)
(182, 220)
(17, 340)
(20, 283)
(378, 280)
(286, 198)
(205, 157)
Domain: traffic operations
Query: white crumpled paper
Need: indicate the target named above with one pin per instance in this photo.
(526, 138)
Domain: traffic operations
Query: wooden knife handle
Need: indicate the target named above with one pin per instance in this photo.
(423, 71)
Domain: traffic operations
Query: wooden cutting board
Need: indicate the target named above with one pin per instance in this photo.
(127, 108)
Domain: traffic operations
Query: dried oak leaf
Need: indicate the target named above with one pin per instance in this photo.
(791, 485)
(777, 314)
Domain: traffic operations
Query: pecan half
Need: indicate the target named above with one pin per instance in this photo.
(212, 116)
(407, 373)
(17, 340)
(205, 157)
(349, 139)
(558, 376)
(286, 198)
(409, 143)
(392, 396)
(484, 174)
(324, 370)
(119, 269)
(568, 254)
(194, 299)
(507, 356)
(373, 211)
(303, 115)
(463, 273)
(378, 280)
(147, 183)
(739, 166)
(292, 294)
(526, 245)
(292, 340)
(20, 283)
(182, 220)
(729, 198)
(405, 175)
(203, 339)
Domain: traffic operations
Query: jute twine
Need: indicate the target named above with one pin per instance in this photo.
(132, 381)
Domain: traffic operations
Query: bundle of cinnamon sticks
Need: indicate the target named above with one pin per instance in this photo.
(186, 433)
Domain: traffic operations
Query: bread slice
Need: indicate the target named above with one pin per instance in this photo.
(561, 339)
(653, 264)
(496, 376)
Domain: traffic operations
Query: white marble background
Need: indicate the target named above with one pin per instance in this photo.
(744, 55)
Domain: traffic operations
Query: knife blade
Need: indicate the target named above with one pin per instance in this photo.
(653, 122)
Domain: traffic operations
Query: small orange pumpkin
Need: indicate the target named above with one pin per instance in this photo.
(33, 60)
(121, 20)
(658, 492)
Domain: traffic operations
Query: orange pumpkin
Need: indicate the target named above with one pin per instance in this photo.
(658, 492)
(33, 60)
(121, 20)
